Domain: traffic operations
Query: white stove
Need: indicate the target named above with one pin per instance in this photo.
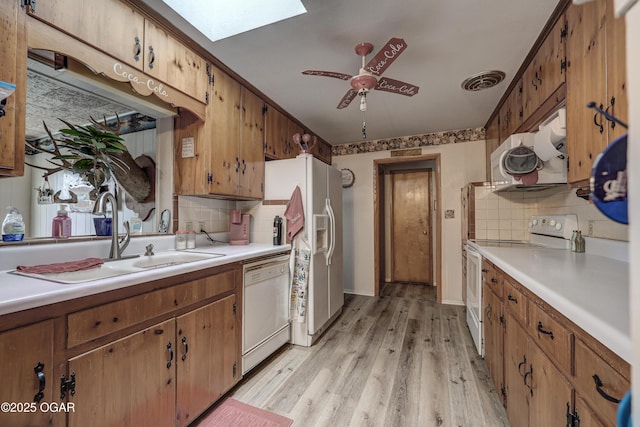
(548, 231)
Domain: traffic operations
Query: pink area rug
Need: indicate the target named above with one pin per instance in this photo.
(233, 413)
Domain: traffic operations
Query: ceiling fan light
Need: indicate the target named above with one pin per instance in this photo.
(363, 103)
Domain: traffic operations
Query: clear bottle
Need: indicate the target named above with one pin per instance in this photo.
(136, 224)
(61, 224)
(580, 243)
(13, 228)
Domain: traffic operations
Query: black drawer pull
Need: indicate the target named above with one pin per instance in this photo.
(494, 280)
(527, 374)
(484, 270)
(542, 331)
(186, 348)
(521, 364)
(512, 298)
(170, 348)
(601, 392)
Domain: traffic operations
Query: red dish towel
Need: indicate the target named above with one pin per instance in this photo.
(294, 214)
(62, 267)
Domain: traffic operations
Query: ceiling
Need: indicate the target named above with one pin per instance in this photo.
(447, 41)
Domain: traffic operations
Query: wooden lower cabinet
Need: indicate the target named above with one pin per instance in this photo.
(537, 393)
(26, 367)
(555, 374)
(128, 383)
(493, 337)
(206, 357)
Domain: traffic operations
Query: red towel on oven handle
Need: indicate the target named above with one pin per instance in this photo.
(62, 267)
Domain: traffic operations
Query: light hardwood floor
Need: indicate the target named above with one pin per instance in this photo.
(386, 361)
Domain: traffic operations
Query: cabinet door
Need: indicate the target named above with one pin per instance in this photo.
(291, 149)
(493, 337)
(171, 62)
(550, 58)
(517, 362)
(13, 69)
(109, 25)
(207, 359)
(251, 147)
(224, 137)
(585, 414)
(586, 82)
(275, 145)
(531, 86)
(128, 383)
(322, 151)
(492, 137)
(616, 72)
(549, 391)
(22, 351)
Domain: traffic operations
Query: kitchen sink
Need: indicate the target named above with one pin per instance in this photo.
(118, 267)
(167, 259)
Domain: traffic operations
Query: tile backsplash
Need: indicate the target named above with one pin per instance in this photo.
(505, 215)
(214, 214)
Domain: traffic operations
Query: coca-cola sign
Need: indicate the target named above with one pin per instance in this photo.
(386, 56)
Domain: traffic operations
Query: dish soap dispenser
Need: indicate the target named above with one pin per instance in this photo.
(13, 226)
(136, 224)
(61, 224)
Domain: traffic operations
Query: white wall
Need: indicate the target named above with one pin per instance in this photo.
(459, 165)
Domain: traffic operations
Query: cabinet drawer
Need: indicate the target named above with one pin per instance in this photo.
(515, 301)
(490, 277)
(92, 323)
(551, 337)
(589, 369)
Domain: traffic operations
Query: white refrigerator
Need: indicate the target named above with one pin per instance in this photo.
(321, 188)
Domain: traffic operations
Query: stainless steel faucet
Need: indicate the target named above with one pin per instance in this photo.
(100, 208)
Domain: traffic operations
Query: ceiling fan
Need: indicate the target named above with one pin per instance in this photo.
(369, 76)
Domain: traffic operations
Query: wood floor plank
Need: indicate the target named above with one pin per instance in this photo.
(387, 361)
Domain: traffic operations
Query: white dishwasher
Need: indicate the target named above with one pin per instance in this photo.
(265, 313)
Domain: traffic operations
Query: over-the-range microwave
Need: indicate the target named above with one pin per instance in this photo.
(554, 166)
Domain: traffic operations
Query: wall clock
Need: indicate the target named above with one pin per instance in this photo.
(347, 178)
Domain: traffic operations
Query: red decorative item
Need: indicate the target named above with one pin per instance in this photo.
(303, 142)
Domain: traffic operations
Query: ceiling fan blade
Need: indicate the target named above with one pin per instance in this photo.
(333, 74)
(396, 86)
(347, 98)
(386, 56)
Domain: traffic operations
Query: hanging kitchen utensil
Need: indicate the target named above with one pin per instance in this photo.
(608, 183)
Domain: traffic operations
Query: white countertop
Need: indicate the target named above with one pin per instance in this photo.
(20, 292)
(590, 290)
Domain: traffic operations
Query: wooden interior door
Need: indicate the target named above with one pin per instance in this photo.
(411, 226)
(128, 383)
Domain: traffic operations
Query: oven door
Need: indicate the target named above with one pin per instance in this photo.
(474, 297)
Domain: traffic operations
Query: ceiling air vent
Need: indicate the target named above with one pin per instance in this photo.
(483, 80)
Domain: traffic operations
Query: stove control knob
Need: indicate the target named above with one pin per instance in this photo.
(535, 222)
(559, 226)
(552, 223)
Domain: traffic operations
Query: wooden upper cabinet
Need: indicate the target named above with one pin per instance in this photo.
(275, 143)
(322, 151)
(26, 366)
(546, 72)
(595, 73)
(511, 112)
(492, 141)
(13, 69)
(223, 136)
(134, 40)
(171, 62)
(251, 154)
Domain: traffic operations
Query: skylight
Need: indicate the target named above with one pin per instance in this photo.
(218, 19)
